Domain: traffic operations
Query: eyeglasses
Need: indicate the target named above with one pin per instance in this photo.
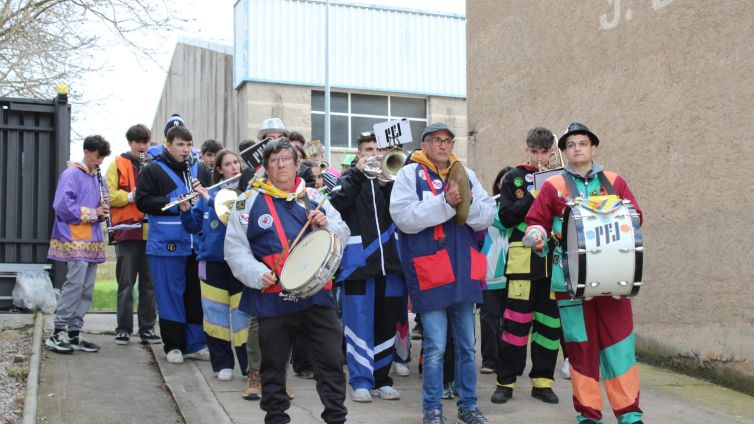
(282, 159)
(438, 141)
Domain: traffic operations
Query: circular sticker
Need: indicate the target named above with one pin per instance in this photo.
(214, 224)
(421, 173)
(625, 228)
(519, 193)
(206, 215)
(244, 218)
(529, 178)
(171, 247)
(518, 182)
(265, 221)
(590, 234)
(437, 184)
(530, 187)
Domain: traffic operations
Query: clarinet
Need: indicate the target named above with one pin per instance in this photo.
(142, 161)
(103, 201)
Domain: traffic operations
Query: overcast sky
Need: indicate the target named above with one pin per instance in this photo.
(127, 89)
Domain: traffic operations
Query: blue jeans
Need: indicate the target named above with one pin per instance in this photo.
(461, 316)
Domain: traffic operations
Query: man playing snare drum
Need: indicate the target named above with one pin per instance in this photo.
(263, 223)
(598, 332)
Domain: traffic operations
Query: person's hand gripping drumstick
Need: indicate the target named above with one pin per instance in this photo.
(317, 218)
(534, 238)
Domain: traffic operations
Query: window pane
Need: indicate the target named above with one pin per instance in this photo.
(338, 129)
(318, 127)
(416, 131)
(369, 105)
(338, 101)
(360, 125)
(406, 107)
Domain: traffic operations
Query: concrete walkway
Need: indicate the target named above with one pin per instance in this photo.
(666, 397)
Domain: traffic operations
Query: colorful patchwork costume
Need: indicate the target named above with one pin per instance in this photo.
(598, 332)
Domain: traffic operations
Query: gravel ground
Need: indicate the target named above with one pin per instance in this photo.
(15, 351)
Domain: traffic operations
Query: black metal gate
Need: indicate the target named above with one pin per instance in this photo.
(34, 149)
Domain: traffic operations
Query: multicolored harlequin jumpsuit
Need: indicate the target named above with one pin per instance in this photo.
(528, 301)
(598, 332)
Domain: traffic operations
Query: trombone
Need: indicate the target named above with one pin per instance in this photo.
(194, 194)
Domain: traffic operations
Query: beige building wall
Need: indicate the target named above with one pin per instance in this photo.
(668, 87)
(199, 87)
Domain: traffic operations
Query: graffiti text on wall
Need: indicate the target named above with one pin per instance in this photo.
(607, 23)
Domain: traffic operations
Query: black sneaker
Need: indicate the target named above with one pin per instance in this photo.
(447, 391)
(433, 416)
(471, 416)
(149, 337)
(502, 395)
(545, 394)
(78, 343)
(59, 343)
(122, 338)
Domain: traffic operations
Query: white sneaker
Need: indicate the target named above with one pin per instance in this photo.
(566, 370)
(175, 356)
(401, 369)
(200, 355)
(386, 393)
(225, 374)
(361, 395)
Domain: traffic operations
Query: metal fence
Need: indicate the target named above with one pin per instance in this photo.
(34, 148)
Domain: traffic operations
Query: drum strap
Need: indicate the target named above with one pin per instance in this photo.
(278, 225)
(573, 191)
(606, 183)
(439, 232)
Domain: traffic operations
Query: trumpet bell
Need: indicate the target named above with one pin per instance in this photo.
(224, 200)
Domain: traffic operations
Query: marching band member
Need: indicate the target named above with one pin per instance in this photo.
(374, 291)
(528, 302)
(170, 248)
(77, 240)
(260, 228)
(442, 266)
(130, 248)
(598, 332)
(221, 292)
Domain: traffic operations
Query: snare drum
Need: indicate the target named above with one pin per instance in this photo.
(311, 264)
(603, 248)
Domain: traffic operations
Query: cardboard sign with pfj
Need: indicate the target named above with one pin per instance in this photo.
(393, 133)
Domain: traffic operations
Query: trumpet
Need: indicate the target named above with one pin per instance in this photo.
(385, 167)
(194, 194)
(323, 165)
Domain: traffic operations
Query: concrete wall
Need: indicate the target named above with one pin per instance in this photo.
(668, 87)
(199, 87)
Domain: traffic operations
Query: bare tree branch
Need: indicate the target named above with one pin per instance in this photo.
(45, 42)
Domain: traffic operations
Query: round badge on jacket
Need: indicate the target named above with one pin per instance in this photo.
(518, 181)
(171, 247)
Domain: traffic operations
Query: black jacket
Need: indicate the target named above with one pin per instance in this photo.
(154, 184)
(515, 201)
(357, 201)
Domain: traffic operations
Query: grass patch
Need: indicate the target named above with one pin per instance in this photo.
(105, 296)
(18, 373)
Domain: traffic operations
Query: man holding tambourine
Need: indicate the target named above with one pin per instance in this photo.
(598, 330)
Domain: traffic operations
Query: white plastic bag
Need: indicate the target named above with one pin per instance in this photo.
(33, 290)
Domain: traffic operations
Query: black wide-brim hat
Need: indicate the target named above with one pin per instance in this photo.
(576, 128)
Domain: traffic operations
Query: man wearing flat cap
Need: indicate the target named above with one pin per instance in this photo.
(599, 336)
(443, 267)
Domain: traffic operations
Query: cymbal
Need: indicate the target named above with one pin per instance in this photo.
(460, 178)
(224, 200)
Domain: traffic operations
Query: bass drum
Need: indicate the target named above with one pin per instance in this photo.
(311, 264)
(603, 248)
